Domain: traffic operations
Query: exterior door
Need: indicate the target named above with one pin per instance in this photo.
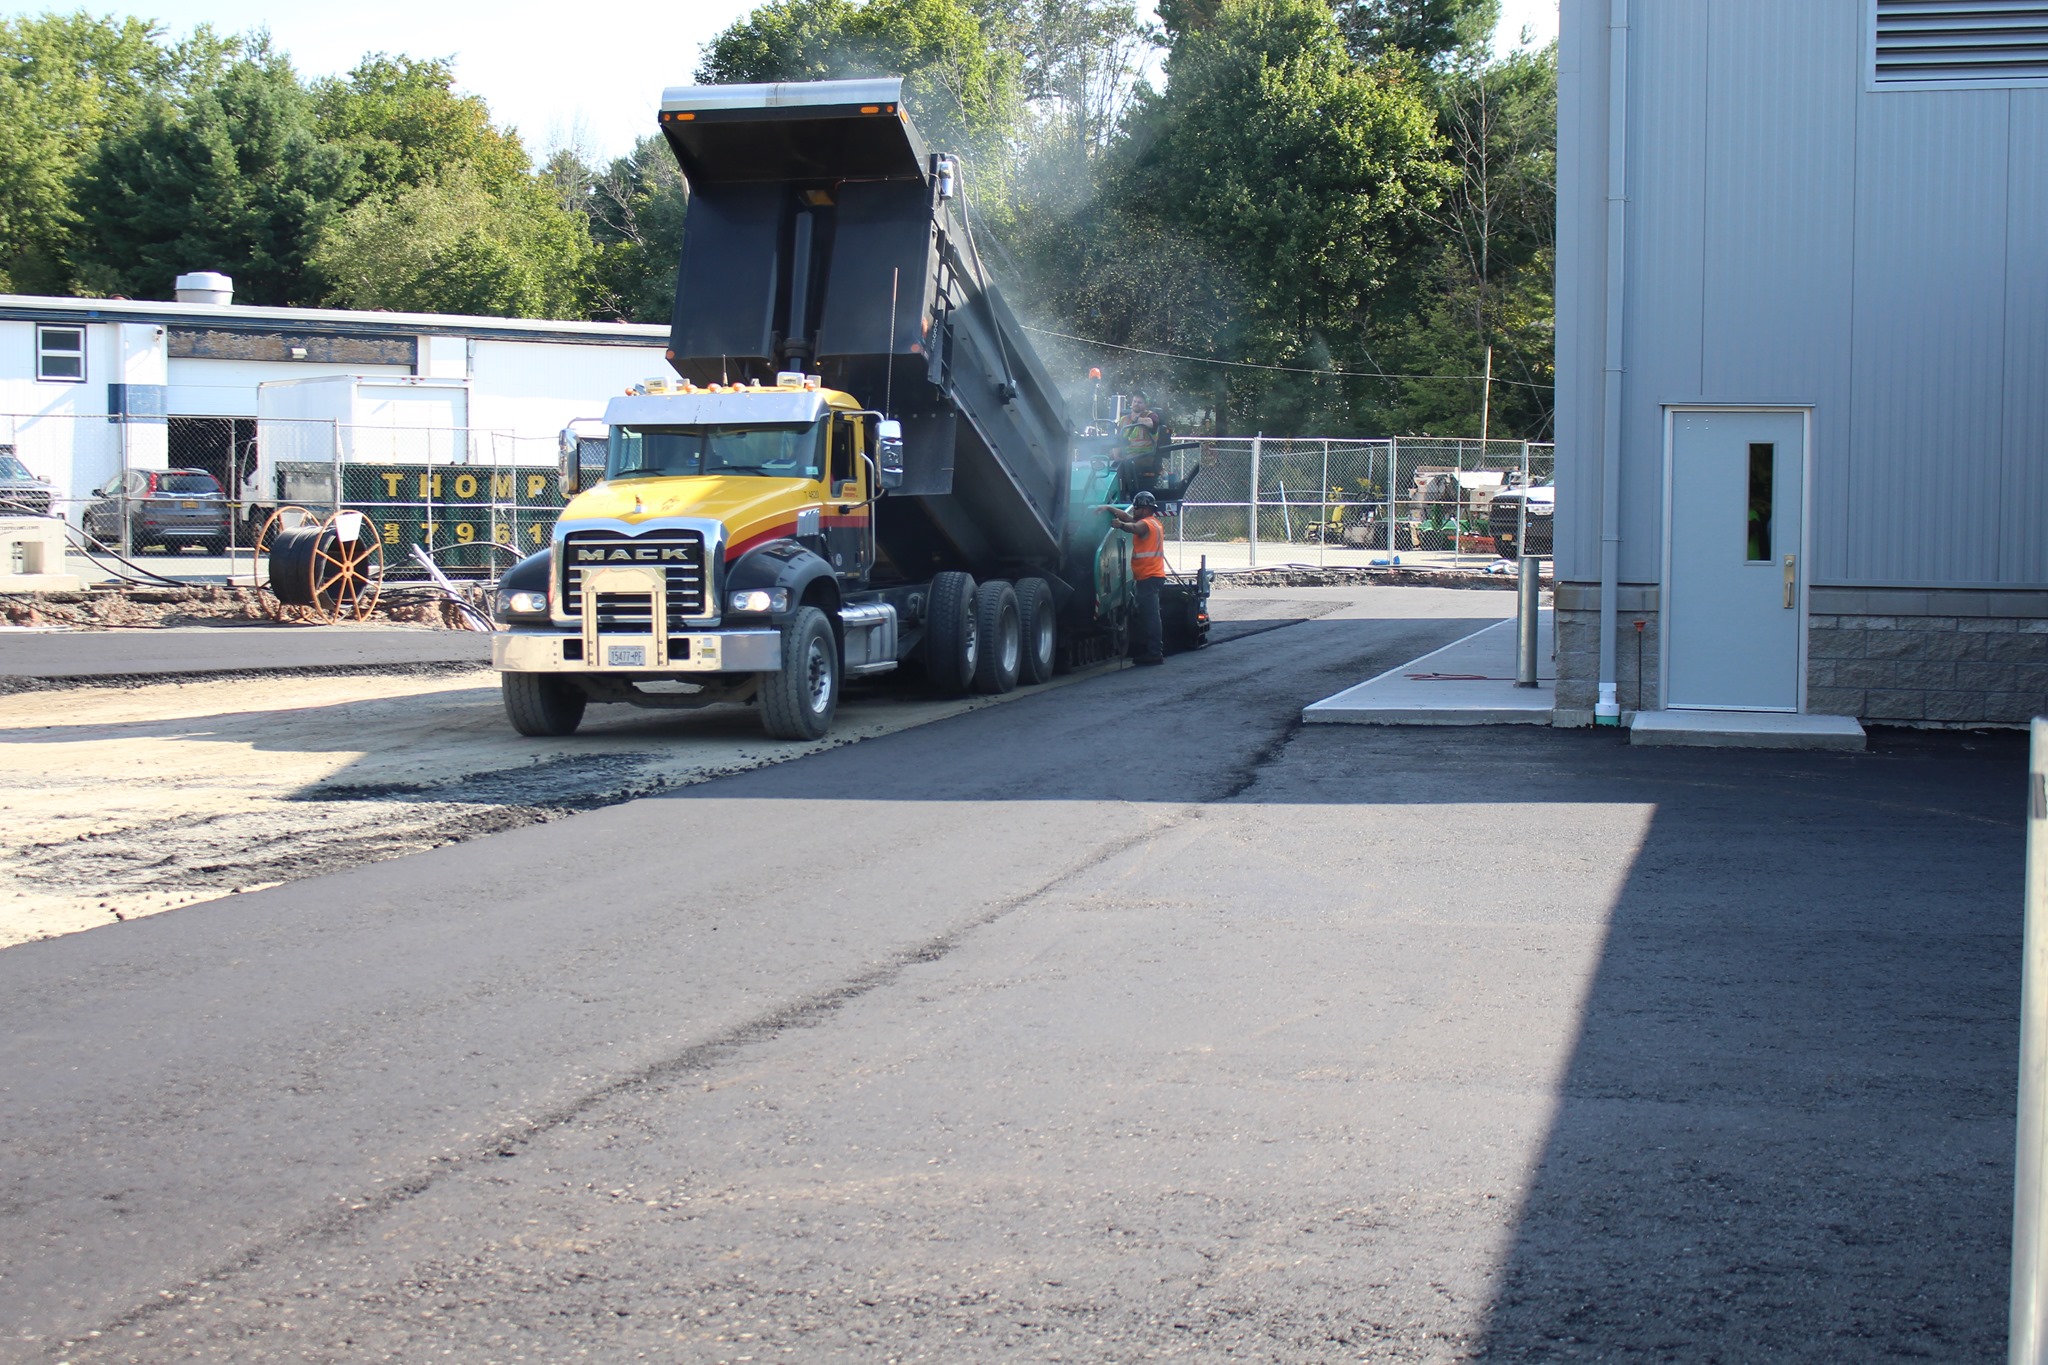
(1734, 602)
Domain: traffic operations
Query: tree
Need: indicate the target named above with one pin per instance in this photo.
(1429, 30)
(64, 81)
(636, 209)
(454, 245)
(237, 177)
(1305, 179)
(960, 91)
(405, 126)
(1490, 284)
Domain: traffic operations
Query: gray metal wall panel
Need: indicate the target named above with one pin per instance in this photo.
(1929, 338)
(1783, 77)
(1667, 218)
(1581, 276)
(2023, 486)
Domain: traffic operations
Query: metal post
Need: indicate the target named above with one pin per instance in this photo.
(1528, 608)
(121, 434)
(2028, 1343)
(1254, 528)
(1323, 540)
(335, 424)
(1393, 473)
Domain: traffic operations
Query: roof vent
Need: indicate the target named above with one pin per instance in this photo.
(206, 286)
(1990, 42)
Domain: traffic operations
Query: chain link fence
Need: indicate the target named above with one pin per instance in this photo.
(476, 499)
(1263, 501)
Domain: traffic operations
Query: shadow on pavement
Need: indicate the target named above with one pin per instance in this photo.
(1786, 1132)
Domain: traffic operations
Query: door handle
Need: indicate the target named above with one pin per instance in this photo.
(1791, 582)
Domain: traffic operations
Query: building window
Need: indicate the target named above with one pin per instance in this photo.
(60, 354)
(1946, 43)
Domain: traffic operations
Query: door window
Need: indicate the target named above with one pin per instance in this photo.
(1762, 463)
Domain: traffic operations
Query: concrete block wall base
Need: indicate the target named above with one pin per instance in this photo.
(1745, 730)
(1884, 655)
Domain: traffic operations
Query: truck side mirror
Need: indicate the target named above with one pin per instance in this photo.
(569, 467)
(889, 453)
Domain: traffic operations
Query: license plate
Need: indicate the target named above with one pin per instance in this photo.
(189, 506)
(625, 656)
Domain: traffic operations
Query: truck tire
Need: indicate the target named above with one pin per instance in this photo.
(799, 701)
(1038, 624)
(1002, 643)
(542, 705)
(951, 649)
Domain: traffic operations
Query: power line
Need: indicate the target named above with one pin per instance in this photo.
(1288, 369)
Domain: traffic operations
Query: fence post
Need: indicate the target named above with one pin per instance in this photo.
(2028, 1340)
(1323, 536)
(1253, 539)
(121, 437)
(335, 424)
(1393, 473)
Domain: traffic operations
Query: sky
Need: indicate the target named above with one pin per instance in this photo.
(594, 85)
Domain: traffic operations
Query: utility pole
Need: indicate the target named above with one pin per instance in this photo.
(1486, 403)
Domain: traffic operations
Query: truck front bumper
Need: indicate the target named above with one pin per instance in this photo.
(711, 651)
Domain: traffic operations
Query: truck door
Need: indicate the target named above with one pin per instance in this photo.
(849, 542)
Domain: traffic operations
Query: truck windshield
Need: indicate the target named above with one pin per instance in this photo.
(11, 468)
(790, 450)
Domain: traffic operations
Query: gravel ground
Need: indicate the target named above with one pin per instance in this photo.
(131, 795)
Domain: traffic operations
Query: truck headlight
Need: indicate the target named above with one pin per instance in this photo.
(759, 601)
(526, 603)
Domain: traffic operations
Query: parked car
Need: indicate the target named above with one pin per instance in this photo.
(1504, 520)
(168, 507)
(22, 493)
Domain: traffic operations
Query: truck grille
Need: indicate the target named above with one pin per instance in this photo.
(34, 501)
(680, 556)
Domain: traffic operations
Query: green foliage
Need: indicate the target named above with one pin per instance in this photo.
(236, 179)
(1323, 219)
(1428, 30)
(65, 80)
(1271, 192)
(405, 126)
(636, 211)
(456, 245)
(1489, 283)
(958, 90)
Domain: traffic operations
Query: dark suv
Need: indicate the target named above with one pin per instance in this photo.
(22, 493)
(168, 507)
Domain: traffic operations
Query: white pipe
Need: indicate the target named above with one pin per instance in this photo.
(1607, 711)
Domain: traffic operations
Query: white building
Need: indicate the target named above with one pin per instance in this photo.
(90, 386)
(1802, 358)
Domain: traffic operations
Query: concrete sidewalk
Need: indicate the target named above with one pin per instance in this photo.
(1471, 682)
(48, 655)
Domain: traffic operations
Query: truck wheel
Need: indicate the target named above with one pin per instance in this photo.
(951, 648)
(1038, 623)
(800, 701)
(542, 705)
(1002, 643)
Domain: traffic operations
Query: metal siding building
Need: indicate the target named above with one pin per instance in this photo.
(1802, 232)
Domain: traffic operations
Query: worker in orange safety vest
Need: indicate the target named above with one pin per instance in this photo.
(1148, 566)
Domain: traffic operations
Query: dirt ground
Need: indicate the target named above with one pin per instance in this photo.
(133, 798)
(124, 801)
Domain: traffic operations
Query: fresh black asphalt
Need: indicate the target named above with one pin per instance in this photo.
(1129, 1020)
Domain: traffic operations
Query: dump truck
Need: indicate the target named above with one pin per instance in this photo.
(859, 464)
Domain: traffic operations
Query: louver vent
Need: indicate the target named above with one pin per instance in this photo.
(1989, 41)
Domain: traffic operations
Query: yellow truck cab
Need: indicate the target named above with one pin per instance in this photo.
(715, 552)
